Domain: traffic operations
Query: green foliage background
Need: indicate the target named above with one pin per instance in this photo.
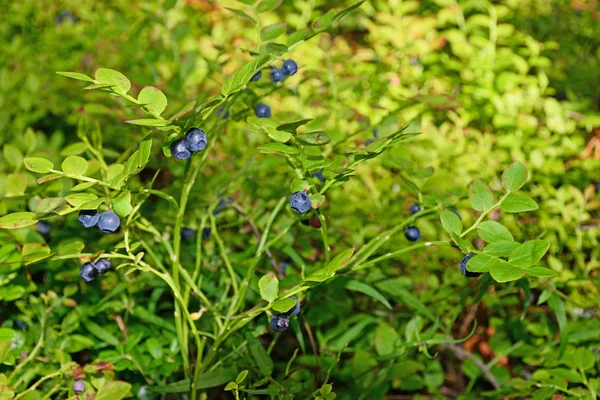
(484, 84)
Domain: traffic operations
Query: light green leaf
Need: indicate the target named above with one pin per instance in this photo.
(239, 78)
(503, 271)
(293, 126)
(269, 287)
(325, 21)
(241, 13)
(148, 122)
(346, 11)
(514, 176)
(74, 149)
(15, 184)
(75, 165)
(481, 196)
(386, 339)
(12, 155)
(230, 386)
(501, 248)
(339, 261)
(270, 32)
(480, 263)
(77, 75)
(241, 376)
(114, 390)
(122, 204)
(271, 148)
(39, 165)
(17, 220)
(117, 80)
(319, 138)
(492, 231)
(529, 253)
(451, 222)
(78, 199)
(283, 305)
(268, 5)
(298, 36)
(153, 98)
(515, 203)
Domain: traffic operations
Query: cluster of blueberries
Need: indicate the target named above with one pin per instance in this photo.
(288, 68)
(193, 142)
(108, 222)
(281, 322)
(91, 270)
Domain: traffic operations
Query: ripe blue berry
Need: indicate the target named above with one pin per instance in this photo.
(44, 227)
(262, 111)
(187, 233)
(88, 218)
(300, 202)
(88, 272)
(277, 75)
(220, 112)
(256, 76)
(415, 208)
(179, 150)
(109, 222)
(289, 67)
(412, 233)
(195, 140)
(463, 267)
(319, 175)
(279, 323)
(102, 266)
(78, 386)
(295, 310)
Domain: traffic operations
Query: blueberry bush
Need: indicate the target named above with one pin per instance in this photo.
(314, 200)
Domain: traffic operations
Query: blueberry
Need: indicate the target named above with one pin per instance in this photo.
(187, 233)
(65, 16)
(289, 67)
(300, 202)
(262, 111)
(179, 150)
(375, 133)
(195, 140)
(256, 76)
(295, 310)
(44, 227)
(412, 233)
(223, 203)
(102, 266)
(88, 218)
(279, 323)
(20, 324)
(88, 272)
(109, 222)
(415, 208)
(220, 112)
(277, 75)
(78, 386)
(319, 175)
(463, 267)
(205, 233)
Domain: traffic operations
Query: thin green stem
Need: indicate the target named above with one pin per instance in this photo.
(483, 215)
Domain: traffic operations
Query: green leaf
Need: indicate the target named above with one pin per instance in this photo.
(153, 98)
(17, 220)
(184, 111)
(259, 354)
(175, 387)
(269, 287)
(529, 253)
(346, 11)
(361, 287)
(325, 21)
(270, 32)
(74, 149)
(299, 185)
(241, 376)
(114, 390)
(316, 200)
(541, 272)
(492, 231)
(451, 222)
(268, 5)
(583, 359)
(100, 332)
(503, 271)
(514, 176)
(117, 80)
(77, 75)
(217, 377)
(241, 13)
(393, 288)
(239, 78)
(15, 185)
(500, 248)
(138, 160)
(278, 136)
(558, 306)
(39, 165)
(480, 263)
(481, 196)
(92, 205)
(314, 138)
(75, 165)
(283, 305)
(291, 127)
(78, 199)
(515, 203)
(298, 36)
(114, 170)
(386, 339)
(12, 155)
(50, 206)
(148, 122)
(271, 148)
(122, 204)
(230, 386)
(74, 247)
(275, 49)
(154, 348)
(464, 245)
(339, 261)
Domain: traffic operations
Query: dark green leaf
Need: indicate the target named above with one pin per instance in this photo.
(319, 138)
(361, 287)
(218, 377)
(259, 354)
(276, 49)
(558, 306)
(291, 127)
(176, 387)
